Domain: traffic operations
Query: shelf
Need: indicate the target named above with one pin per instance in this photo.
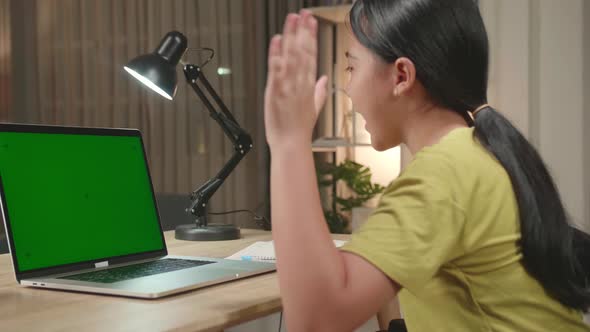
(330, 144)
(323, 149)
(333, 43)
(332, 14)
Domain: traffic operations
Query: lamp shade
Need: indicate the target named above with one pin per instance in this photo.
(157, 70)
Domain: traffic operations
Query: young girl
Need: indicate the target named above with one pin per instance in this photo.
(472, 236)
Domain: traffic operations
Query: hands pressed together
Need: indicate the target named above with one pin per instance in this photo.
(293, 97)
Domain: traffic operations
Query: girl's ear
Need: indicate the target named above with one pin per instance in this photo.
(404, 76)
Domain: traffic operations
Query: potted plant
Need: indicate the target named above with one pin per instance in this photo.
(360, 188)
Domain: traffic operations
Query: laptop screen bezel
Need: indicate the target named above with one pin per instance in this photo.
(66, 268)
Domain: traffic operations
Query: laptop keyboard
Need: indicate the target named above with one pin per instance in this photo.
(137, 270)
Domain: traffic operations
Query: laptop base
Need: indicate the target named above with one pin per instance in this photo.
(160, 285)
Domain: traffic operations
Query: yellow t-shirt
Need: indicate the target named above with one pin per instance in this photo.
(447, 230)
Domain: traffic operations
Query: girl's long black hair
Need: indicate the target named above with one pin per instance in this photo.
(448, 44)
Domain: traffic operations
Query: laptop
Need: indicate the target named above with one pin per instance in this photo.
(80, 215)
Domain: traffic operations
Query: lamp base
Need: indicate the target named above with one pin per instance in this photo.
(212, 232)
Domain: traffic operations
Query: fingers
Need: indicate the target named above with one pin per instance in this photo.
(293, 98)
(274, 55)
(307, 34)
(307, 44)
(289, 41)
(300, 39)
(274, 65)
(293, 56)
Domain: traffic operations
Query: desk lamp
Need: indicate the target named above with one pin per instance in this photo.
(157, 70)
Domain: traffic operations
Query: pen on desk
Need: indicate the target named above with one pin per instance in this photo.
(258, 258)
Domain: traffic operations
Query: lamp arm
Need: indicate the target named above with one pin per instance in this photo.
(242, 143)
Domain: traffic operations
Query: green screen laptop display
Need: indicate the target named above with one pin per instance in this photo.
(72, 198)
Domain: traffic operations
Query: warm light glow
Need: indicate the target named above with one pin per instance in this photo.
(147, 82)
(385, 165)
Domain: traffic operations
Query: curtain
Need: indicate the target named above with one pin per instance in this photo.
(5, 70)
(70, 59)
(5, 65)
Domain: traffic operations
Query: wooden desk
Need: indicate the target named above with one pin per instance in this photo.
(208, 309)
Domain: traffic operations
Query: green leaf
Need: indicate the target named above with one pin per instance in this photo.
(357, 178)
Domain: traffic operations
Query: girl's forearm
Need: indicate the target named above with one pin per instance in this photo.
(311, 270)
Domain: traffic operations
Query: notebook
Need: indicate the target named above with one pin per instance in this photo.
(264, 251)
(79, 211)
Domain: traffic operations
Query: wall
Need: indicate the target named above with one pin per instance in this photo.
(507, 24)
(537, 82)
(561, 99)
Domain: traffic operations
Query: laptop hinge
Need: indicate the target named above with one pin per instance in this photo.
(101, 264)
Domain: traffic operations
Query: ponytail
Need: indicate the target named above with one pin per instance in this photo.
(554, 252)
